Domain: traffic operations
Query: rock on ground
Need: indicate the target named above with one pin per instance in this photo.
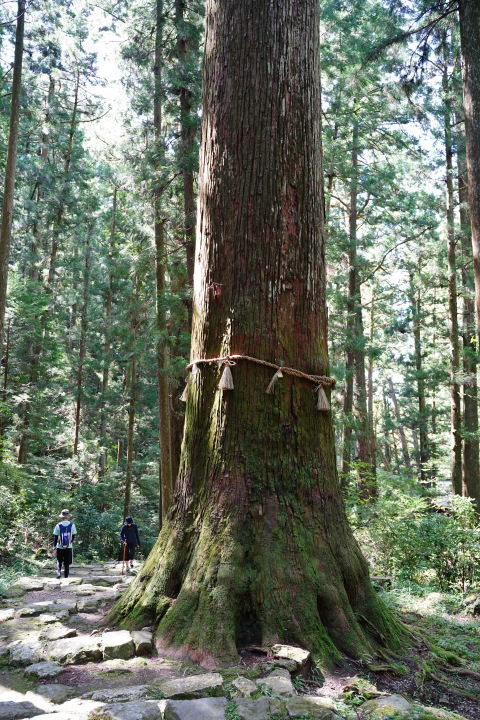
(116, 695)
(136, 710)
(58, 633)
(15, 710)
(260, 709)
(117, 645)
(143, 641)
(194, 686)
(6, 614)
(278, 682)
(244, 686)
(75, 650)
(202, 709)
(384, 707)
(288, 652)
(313, 707)
(25, 653)
(44, 670)
(54, 693)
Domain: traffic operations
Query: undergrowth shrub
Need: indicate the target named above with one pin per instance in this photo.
(407, 534)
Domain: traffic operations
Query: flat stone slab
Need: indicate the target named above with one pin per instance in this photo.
(117, 644)
(26, 653)
(54, 693)
(313, 707)
(58, 633)
(194, 686)
(32, 610)
(116, 695)
(89, 604)
(14, 592)
(7, 614)
(278, 682)
(143, 641)
(202, 709)
(289, 652)
(76, 650)
(136, 710)
(104, 580)
(384, 707)
(244, 686)
(11, 710)
(48, 618)
(63, 604)
(29, 584)
(44, 670)
(260, 709)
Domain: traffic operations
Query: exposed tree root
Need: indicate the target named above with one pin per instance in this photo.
(452, 690)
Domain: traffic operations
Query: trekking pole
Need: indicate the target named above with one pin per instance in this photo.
(124, 548)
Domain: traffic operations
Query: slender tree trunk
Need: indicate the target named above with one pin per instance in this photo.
(423, 455)
(107, 347)
(401, 431)
(471, 465)
(82, 343)
(130, 438)
(356, 345)
(61, 206)
(165, 462)
(257, 520)
(4, 393)
(469, 11)
(453, 334)
(11, 165)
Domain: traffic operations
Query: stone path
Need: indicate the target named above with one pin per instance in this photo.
(59, 662)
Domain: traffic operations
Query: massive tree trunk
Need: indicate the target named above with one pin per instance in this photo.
(10, 169)
(469, 33)
(453, 336)
(256, 545)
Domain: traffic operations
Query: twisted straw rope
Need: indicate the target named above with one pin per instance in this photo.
(317, 379)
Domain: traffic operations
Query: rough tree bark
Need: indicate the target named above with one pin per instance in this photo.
(453, 336)
(256, 545)
(165, 445)
(11, 164)
(469, 11)
(471, 464)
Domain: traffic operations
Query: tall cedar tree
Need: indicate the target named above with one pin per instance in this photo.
(256, 545)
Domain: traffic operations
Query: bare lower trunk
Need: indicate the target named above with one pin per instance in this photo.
(471, 465)
(81, 345)
(469, 11)
(423, 453)
(453, 335)
(165, 446)
(107, 345)
(401, 431)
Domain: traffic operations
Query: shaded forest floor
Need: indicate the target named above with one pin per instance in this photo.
(441, 669)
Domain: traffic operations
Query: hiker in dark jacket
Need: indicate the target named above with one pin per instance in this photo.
(129, 538)
(63, 537)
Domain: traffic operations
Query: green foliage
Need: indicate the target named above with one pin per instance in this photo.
(406, 535)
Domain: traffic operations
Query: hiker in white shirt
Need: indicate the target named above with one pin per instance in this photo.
(63, 537)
